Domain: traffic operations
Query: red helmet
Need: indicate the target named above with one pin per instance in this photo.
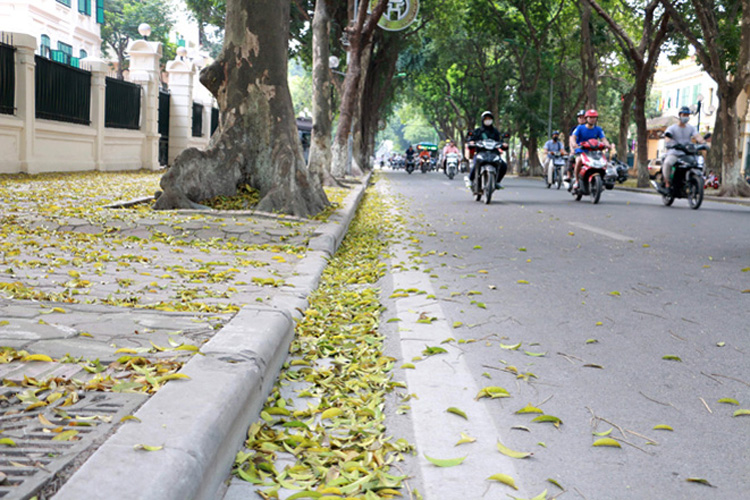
(592, 112)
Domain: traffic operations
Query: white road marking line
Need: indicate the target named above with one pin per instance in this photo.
(602, 232)
(442, 381)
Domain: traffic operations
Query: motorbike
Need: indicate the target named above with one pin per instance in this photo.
(619, 170)
(687, 177)
(593, 172)
(488, 166)
(558, 166)
(410, 165)
(424, 164)
(451, 164)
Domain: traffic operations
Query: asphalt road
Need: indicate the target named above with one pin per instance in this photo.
(605, 292)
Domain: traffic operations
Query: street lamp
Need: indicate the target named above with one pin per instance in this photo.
(145, 30)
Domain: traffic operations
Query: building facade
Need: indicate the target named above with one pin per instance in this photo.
(66, 30)
(685, 84)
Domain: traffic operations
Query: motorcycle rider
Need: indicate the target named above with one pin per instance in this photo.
(680, 133)
(424, 154)
(449, 147)
(487, 131)
(551, 147)
(409, 155)
(581, 118)
(585, 132)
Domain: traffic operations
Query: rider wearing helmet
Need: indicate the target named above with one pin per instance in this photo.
(487, 131)
(581, 118)
(552, 147)
(585, 132)
(680, 133)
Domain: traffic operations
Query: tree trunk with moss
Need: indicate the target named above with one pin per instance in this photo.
(257, 142)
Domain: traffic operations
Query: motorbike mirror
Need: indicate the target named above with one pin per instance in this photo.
(506, 135)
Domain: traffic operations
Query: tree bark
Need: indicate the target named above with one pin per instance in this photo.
(257, 142)
(360, 161)
(360, 34)
(732, 181)
(622, 138)
(641, 131)
(535, 167)
(319, 160)
(588, 57)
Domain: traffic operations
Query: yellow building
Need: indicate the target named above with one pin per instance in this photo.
(686, 84)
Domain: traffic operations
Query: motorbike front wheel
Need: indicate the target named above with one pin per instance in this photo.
(596, 188)
(489, 186)
(668, 198)
(557, 178)
(694, 192)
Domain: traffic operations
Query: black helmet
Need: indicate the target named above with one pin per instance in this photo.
(486, 114)
(581, 112)
(685, 111)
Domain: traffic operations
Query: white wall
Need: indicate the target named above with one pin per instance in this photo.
(33, 145)
(54, 19)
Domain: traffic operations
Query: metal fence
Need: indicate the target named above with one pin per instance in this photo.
(122, 108)
(197, 119)
(7, 79)
(163, 124)
(214, 120)
(63, 93)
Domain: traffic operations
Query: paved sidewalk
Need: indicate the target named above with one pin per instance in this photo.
(101, 315)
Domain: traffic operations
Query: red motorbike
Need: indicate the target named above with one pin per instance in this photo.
(593, 171)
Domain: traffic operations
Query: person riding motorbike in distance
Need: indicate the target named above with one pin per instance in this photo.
(581, 119)
(487, 131)
(449, 147)
(680, 133)
(408, 155)
(584, 133)
(424, 154)
(551, 148)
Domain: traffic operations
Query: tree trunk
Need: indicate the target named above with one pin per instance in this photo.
(360, 34)
(535, 167)
(588, 57)
(732, 181)
(120, 62)
(715, 158)
(641, 163)
(319, 160)
(360, 161)
(622, 138)
(378, 86)
(257, 143)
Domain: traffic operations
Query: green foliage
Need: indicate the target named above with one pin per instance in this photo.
(121, 21)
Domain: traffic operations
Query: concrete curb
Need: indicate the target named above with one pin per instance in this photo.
(202, 422)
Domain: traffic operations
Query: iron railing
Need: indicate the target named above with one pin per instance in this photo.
(197, 119)
(63, 93)
(163, 126)
(122, 108)
(7, 79)
(214, 120)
